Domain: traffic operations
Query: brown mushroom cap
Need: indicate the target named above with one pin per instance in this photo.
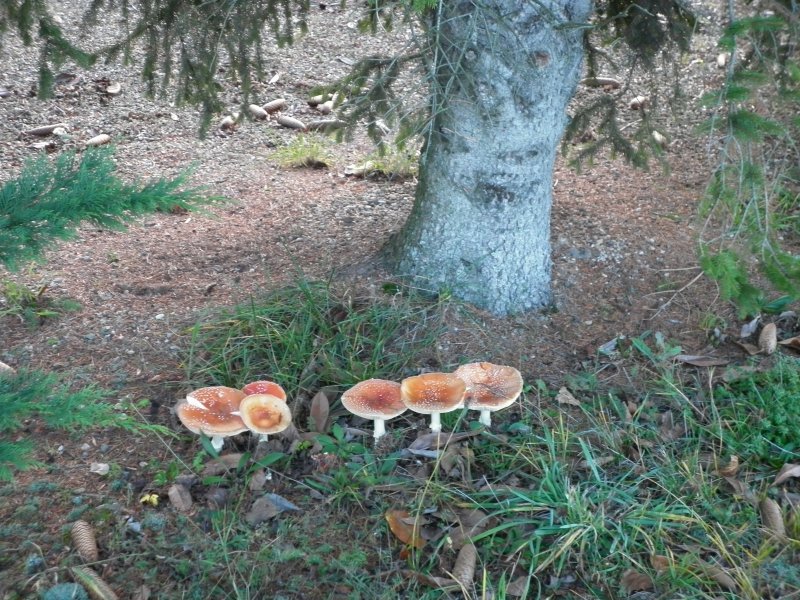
(489, 386)
(264, 387)
(265, 414)
(374, 399)
(209, 410)
(433, 393)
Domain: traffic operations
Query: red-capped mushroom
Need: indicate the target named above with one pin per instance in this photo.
(375, 399)
(433, 394)
(264, 387)
(490, 387)
(265, 414)
(213, 411)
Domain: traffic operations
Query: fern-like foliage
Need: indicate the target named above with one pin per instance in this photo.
(753, 197)
(50, 198)
(48, 398)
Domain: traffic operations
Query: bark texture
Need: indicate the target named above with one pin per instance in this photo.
(503, 73)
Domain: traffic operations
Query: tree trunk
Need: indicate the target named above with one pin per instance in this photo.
(503, 71)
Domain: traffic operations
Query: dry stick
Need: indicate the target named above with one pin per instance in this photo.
(674, 295)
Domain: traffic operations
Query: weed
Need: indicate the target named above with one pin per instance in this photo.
(305, 150)
(393, 164)
(31, 306)
(759, 414)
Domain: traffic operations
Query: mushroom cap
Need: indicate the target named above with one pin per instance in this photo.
(490, 386)
(433, 393)
(265, 414)
(374, 399)
(210, 410)
(264, 387)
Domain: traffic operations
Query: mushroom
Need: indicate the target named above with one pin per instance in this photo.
(433, 394)
(212, 411)
(490, 387)
(375, 399)
(264, 387)
(265, 414)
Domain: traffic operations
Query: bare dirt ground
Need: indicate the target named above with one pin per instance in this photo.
(623, 239)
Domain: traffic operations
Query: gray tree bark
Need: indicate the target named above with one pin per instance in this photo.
(504, 71)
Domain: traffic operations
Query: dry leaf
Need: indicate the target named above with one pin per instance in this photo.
(464, 569)
(731, 468)
(443, 583)
(142, 593)
(768, 339)
(792, 342)
(180, 497)
(634, 581)
(749, 348)
(743, 490)
(772, 517)
(699, 360)
(660, 562)
(565, 397)
(403, 531)
(441, 439)
(320, 409)
(719, 575)
(520, 587)
(85, 543)
(749, 328)
(787, 471)
(221, 465)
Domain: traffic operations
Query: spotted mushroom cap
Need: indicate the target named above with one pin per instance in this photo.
(210, 410)
(374, 399)
(433, 393)
(265, 414)
(490, 386)
(264, 387)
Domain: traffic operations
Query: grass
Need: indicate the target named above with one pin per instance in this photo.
(306, 150)
(623, 493)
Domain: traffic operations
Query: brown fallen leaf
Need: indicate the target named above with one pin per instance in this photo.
(440, 439)
(660, 562)
(749, 348)
(741, 488)
(634, 581)
(408, 533)
(719, 575)
(792, 342)
(565, 397)
(180, 497)
(464, 568)
(772, 517)
(471, 522)
(699, 360)
(221, 465)
(442, 583)
(320, 410)
(519, 588)
(731, 468)
(787, 471)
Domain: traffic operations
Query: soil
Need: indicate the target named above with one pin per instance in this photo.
(624, 240)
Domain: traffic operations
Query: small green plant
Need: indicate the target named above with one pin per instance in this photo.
(394, 164)
(305, 150)
(31, 306)
(759, 414)
(45, 396)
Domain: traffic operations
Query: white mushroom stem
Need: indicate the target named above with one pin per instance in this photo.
(216, 442)
(486, 417)
(380, 428)
(263, 438)
(436, 422)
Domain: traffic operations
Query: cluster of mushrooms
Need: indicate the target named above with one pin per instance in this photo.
(261, 406)
(221, 411)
